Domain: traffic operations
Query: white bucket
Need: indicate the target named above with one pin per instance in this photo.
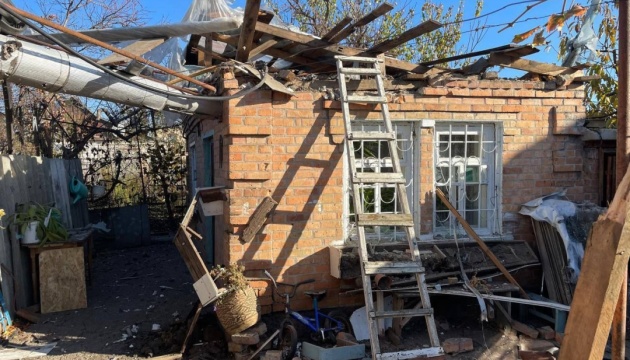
(30, 235)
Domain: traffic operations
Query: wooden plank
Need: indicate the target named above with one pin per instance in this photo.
(193, 74)
(61, 196)
(248, 28)
(191, 327)
(267, 44)
(62, 280)
(381, 10)
(258, 219)
(139, 48)
(486, 250)
(189, 252)
(603, 269)
(337, 28)
(528, 65)
(408, 35)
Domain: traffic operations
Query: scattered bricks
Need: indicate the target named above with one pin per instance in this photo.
(246, 338)
(260, 328)
(524, 329)
(346, 339)
(547, 333)
(236, 348)
(272, 355)
(457, 345)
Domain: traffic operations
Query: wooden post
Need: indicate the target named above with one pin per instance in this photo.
(248, 29)
(623, 156)
(603, 271)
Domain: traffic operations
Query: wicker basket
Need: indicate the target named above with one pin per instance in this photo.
(238, 310)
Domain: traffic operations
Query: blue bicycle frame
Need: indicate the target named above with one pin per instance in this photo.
(314, 323)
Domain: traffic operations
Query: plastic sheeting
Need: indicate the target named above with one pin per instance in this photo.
(585, 39)
(565, 217)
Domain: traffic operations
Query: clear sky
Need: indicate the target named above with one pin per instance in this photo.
(159, 11)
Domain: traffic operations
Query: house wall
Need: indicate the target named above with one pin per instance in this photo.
(290, 148)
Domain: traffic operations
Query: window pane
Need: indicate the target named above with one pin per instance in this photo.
(457, 146)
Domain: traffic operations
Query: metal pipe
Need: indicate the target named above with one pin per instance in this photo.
(53, 70)
(111, 48)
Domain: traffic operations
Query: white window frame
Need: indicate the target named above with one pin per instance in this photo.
(410, 161)
(491, 160)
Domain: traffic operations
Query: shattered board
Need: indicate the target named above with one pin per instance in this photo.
(510, 253)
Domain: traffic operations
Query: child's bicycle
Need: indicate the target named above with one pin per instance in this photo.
(323, 327)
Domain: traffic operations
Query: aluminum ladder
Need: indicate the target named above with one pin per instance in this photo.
(370, 68)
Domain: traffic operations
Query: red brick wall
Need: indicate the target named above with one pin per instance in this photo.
(290, 148)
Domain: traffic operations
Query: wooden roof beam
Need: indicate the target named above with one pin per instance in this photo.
(381, 10)
(528, 65)
(337, 28)
(246, 40)
(408, 35)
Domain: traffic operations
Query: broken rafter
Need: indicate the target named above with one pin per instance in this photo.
(337, 28)
(248, 28)
(267, 44)
(528, 65)
(381, 10)
(505, 49)
(139, 48)
(408, 35)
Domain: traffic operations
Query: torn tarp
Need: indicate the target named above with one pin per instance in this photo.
(572, 222)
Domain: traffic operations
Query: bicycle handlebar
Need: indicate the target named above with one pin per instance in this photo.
(294, 286)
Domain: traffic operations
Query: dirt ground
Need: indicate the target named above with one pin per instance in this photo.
(133, 290)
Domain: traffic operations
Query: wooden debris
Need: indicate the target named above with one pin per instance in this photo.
(258, 219)
(535, 355)
(547, 333)
(603, 269)
(28, 315)
(337, 28)
(381, 10)
(250, 17)
(406, 36)
(486, 250)
(528, 65)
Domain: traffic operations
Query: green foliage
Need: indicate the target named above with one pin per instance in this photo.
(54, 231)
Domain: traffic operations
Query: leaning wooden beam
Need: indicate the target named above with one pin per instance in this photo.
(248, 29)
(139, 48)
(603, 269)
(111, 48)
(381, 10)
(193, 74)
(528, 49)
(258, 219)
(337, 28)
(528, 65)
(408, 35)
(486, 250)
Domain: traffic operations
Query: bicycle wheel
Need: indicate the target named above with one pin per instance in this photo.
(288, 340)
(342, 318)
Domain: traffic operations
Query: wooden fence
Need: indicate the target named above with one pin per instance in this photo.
(26, 179)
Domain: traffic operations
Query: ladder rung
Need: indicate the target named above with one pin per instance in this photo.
(371, 135)
(400, 313)
(385, 220)
(412, 354)
(392, 267)
(367, 99)
(360, 71)
(372, 178)
(362, 59)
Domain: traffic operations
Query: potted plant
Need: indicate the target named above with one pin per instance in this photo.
(238, 308)
(37, 223)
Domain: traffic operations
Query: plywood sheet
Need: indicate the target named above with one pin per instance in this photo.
(62, 280)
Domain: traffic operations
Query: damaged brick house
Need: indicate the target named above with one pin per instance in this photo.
(491, 144)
